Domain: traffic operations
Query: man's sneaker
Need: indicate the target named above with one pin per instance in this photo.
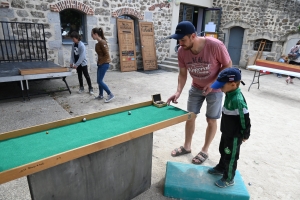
(91, 91)
(109, 98)
(99, 97)
(214, 171)
(222, 183)
(81, 90)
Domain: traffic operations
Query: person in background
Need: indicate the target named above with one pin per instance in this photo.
(102, 50)
(293, 62)
(282, 59)
(79, 62)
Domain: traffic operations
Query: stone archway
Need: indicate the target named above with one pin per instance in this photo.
(68, 4)
(127, 11)
(226, 28)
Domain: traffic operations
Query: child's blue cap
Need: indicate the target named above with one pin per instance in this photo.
(227, 75)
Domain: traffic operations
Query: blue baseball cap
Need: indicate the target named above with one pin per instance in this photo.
(182, 29)
(227, 75)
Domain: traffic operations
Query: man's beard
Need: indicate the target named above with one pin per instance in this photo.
(187, 47)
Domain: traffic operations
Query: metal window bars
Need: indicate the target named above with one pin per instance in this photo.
(21, 42)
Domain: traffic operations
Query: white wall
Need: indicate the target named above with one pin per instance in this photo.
(175, 16)
(290, 43)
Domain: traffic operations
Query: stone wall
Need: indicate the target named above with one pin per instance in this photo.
(273, 20)
(99, 13)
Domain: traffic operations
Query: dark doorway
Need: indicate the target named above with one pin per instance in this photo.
(235, 44)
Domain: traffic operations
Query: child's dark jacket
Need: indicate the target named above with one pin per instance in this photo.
(235, 120)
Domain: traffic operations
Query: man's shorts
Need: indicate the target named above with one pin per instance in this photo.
(213, 100)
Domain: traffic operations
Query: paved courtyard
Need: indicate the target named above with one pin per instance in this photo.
(269, 161)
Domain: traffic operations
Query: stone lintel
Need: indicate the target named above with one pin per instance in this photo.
(4, 4)
(73, 5)
(127, 11)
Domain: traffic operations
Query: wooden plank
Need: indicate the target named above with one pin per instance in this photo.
(57, 159)
(148, 45)
(126, 40)
(43, 70)
(278, 65)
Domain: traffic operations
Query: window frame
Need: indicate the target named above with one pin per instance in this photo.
(83, 25)
(268, 45)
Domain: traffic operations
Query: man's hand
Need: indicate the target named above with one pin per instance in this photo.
(74, 66)
(71, 65)
(173, 98)
(207, 89)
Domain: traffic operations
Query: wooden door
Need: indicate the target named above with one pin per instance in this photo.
(235, 44)
(148, 45)
(126, 40)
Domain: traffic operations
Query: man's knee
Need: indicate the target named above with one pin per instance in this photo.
(192, 120)
(211, 122)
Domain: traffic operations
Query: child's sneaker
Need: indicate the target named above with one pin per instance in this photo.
(222, 183)
(99, 97)
(214, 171)
(109, 98)
(91, 91)
(81, 90)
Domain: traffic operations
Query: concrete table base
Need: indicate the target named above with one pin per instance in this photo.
(119, 172)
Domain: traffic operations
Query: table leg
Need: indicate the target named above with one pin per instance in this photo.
(253, 80)
(22, 90)
(64, 80)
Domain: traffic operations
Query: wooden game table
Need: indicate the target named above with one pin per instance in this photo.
(36, 70)
(108, 156)
(262, 66)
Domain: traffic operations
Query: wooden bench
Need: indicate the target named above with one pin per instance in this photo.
(263, 66)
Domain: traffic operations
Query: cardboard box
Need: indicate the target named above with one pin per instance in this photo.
(156, 99)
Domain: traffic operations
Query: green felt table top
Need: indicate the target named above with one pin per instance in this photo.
(22, 150)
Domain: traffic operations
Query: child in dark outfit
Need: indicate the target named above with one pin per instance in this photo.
(79, 62)
(235, 125)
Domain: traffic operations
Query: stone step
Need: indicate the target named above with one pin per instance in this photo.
(166, 62)
(174, 56)
(172, 59)
(168, 67)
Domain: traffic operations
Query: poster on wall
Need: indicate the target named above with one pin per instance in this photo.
(148, 45)
(211, 34)
(126, 45)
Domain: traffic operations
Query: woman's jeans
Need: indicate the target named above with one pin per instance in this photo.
(100, 75)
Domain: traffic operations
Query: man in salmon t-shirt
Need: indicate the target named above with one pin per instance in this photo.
(203, 58)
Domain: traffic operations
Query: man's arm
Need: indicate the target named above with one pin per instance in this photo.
(225, 66)
(182, 77)
(207, 89)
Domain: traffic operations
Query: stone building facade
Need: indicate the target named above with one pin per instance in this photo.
(252, 20)
(97, 13)
(273, 20)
